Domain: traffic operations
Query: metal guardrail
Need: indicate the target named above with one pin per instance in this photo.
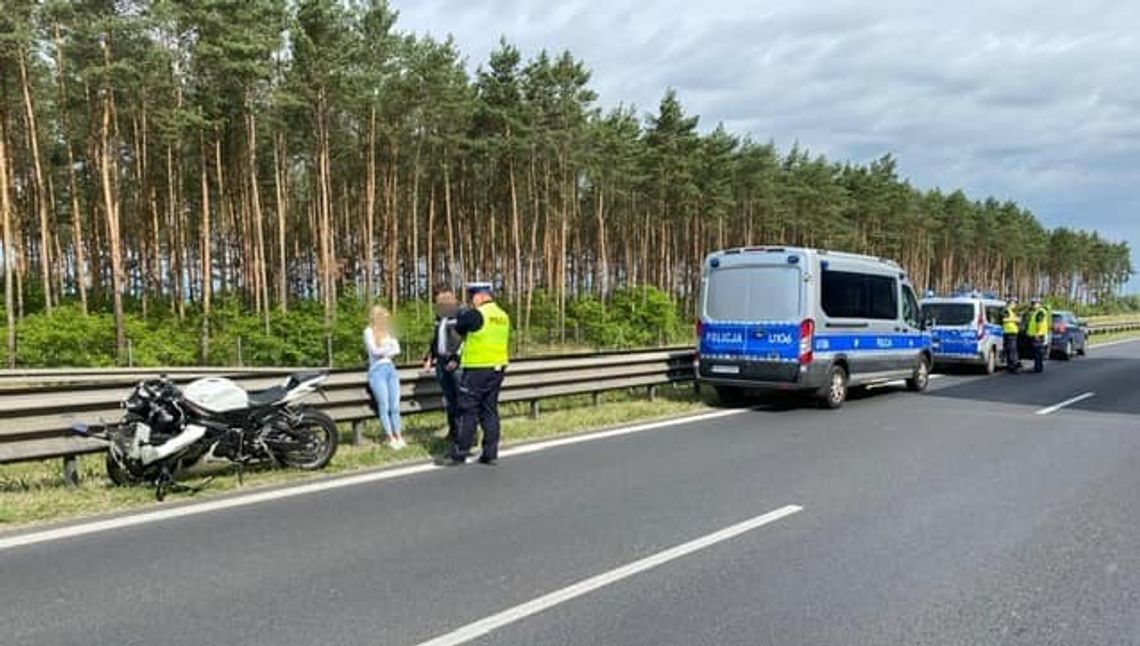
(1112, 328)
(38, 406)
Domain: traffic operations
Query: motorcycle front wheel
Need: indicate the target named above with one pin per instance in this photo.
(119, 474)
(311, 443)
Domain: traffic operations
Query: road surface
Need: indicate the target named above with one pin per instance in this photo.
(979, 513)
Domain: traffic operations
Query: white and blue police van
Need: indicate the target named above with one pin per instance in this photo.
(807, 320)
(966, 329)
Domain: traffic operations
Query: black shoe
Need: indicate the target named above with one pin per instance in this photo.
(448, 461)
(488, 461)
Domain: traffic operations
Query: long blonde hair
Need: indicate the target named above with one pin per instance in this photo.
(379, 319)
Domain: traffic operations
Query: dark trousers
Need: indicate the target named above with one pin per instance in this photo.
(449, 384)
(1012, 360)
(1039, 350)
(478, 405)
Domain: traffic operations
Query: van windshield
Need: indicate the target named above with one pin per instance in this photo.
(757, 293)
(948, 313)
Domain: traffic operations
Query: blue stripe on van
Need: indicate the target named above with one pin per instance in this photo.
(870, 342)
(761, 341)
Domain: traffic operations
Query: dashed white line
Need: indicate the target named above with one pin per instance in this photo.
(482, 627)
(1049, 410)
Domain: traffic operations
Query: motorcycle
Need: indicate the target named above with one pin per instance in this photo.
(167, 431)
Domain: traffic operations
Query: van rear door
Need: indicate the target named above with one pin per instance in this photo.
(751, 315)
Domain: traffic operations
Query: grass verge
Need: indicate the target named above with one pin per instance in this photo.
(33, 492)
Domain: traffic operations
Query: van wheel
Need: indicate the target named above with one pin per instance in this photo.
(991, 362)
(834, 392)
(921, 378)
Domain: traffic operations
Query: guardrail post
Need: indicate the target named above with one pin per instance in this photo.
(357, 432)
(596, 398)
(534, 409)
(652, 393)
(71, 471)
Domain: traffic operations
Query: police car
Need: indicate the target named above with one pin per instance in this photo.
(966, 329)
(816, 321)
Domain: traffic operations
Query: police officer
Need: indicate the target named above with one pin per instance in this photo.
(442, 356)
(1010, 327)
(1038, 331)
(486, 329)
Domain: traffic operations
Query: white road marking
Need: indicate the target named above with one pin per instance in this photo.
(482, 627)
(1068, 402)
(131, 520)
(1095, 345)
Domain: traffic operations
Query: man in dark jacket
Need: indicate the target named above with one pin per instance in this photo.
(443, 356)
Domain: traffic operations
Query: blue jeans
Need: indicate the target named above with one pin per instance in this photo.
(384, 382)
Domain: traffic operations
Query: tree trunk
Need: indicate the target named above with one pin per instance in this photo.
(39, 183)
(107, 177)
(370, 208)
(206, 273)
(255, 207)
(72, 182)
(279, 170)
(9, 255)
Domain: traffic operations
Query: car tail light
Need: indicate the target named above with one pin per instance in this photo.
(807, 341)
(981, 326)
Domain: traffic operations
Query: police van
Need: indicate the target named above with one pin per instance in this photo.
(807, 320)
(966, 329)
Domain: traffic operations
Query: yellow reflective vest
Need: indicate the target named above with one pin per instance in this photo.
(1010, 322)
(488, 347)
(1039, 320)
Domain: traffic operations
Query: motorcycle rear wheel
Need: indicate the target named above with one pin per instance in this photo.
(322, 435)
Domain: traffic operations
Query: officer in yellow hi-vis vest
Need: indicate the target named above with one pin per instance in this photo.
(1010, 327)
(1037, 329)
(486, 331)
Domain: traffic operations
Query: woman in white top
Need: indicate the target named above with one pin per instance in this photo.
(383, 379)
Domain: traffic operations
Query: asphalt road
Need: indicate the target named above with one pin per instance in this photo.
(957, 517)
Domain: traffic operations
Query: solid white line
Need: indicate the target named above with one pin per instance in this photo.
(324, 485)
(1094, 345)
(1068, 402)
(522, 611)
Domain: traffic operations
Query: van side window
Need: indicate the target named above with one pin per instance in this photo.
(994, 315)
(861, 296)
(911, 312)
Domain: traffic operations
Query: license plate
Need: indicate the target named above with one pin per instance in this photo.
(726, 370)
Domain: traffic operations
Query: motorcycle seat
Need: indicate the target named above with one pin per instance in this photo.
(267, 396)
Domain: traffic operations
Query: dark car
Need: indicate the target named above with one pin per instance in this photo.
(1069, 336)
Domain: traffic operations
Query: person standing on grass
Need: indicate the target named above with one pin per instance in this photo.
(486, 331)
(383, 380)
(443, 357)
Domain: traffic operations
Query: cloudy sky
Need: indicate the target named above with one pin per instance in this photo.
(1034, 101)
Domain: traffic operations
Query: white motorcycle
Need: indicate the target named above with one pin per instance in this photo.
(167, 431)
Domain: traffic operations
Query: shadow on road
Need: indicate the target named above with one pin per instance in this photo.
(1114, 380)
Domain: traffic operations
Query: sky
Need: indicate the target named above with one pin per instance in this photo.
(1038, 102)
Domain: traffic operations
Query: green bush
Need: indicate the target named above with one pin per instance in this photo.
(635, 317)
